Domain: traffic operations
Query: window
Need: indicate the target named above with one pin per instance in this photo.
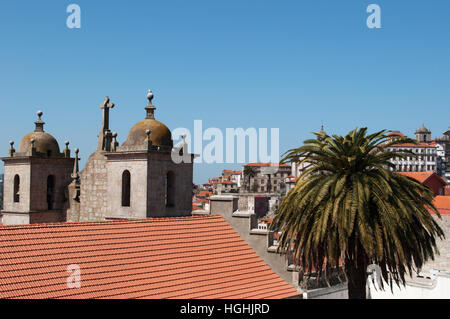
(126, 188)
(170, 189)
(50, 192)
(16, 188)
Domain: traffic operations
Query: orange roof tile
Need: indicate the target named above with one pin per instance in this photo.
(419, 176)
(442, 203)
(178, 257)
(414, 145)
(396, 134)
(267, 164)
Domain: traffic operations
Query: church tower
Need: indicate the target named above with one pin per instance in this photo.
(138, 179)
(423, 135)
(36, 179)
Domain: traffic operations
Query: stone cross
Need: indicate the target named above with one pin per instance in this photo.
(105, 106)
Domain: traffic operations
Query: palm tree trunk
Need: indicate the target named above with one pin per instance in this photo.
(357, 277)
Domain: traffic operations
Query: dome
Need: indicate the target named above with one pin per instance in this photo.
(160, 134)
(422, 129)
(43, 142)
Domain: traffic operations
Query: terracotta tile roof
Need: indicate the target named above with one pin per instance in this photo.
(266, 220)
(442, 203)
(267, 164)
(447, 191)
(184, 257)
(414, 145)
(419, 176)
(231, 172)
(396, 134)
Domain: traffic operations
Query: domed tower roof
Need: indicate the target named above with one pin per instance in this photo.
(422, 129)
(43, 142)
(160, 134)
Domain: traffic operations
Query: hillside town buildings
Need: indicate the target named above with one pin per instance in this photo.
(429, 154)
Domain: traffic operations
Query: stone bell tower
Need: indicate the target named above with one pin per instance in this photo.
(36, 179)
(138, 179)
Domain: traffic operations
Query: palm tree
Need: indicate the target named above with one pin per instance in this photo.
(249, 171)
(349, 209)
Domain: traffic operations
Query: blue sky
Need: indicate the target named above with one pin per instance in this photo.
(291, 65)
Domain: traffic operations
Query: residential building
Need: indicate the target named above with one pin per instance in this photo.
(444, 143)
(425, 158)
(226, 187)
(266, 177)
(233, 176)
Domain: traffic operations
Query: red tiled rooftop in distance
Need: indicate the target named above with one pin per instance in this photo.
(267, 165)
(442, 203)
(396, 134)
(419, 176)
(179, 257)
(414, 145)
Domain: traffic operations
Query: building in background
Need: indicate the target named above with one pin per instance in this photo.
(444, 153)
(265, 177)
(233, 176)
(426, 153)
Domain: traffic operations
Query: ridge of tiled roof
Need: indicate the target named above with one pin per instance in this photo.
(421, 176)
(175, 257)
(267, 164)
(414, 145)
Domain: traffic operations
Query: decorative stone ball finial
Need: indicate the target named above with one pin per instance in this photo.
(11, 143)
(148, 132)
(77, 150)
(67, 143)
(150, 96)
(39, 123)
(32, 142)
(114, 134)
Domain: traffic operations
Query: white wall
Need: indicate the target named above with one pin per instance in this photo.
(438, 288)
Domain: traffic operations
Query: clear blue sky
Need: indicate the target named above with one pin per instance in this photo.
(287, 64)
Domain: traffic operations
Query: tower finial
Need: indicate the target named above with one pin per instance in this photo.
(150, 108)
(39, 123)
(11, 149)
(103, 142)
(75, 175)
(67, 150)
